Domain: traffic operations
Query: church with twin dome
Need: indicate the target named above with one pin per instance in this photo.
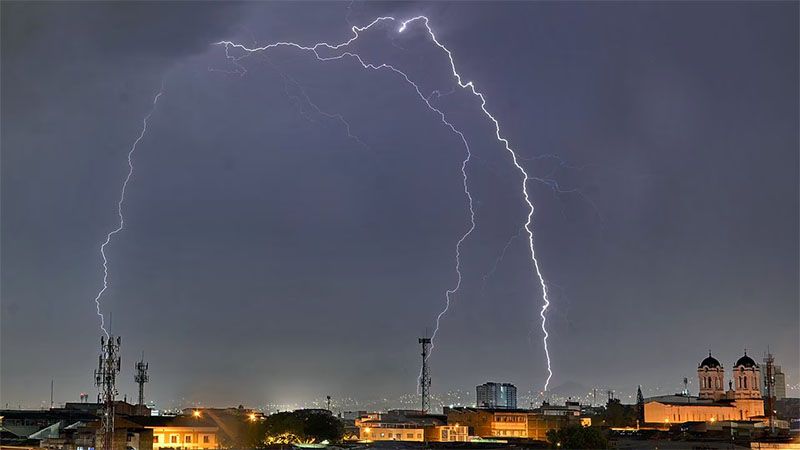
(740, 401)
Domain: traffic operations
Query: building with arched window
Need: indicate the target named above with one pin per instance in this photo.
(742, 400)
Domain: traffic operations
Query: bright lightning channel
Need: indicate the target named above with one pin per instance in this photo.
(469, 86)
(120, 202)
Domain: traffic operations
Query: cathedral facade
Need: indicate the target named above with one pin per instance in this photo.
(741, 401)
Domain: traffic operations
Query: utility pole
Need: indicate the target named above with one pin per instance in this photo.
(141, 377)
(425, 376)
(106, 379)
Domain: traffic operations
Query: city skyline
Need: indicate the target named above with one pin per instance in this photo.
(291, 223)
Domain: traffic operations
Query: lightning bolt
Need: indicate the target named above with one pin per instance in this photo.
(491, 272)
(120, 202)
(425, 99)
(469, 86)
(528, 224)
(307, 100)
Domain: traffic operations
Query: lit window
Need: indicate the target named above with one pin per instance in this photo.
(206, 439)
(155, 440)
(173, 439)
(187, 439)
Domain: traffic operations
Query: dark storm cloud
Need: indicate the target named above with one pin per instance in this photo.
(52, 49)
(267, 257)
(58, 31)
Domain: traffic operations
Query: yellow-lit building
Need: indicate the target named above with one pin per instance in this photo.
(487, 422)
(505, 423)
(411, 426)
(185, 438)
(713, 403)
(183, 432)
(447, 433)
(391, 433)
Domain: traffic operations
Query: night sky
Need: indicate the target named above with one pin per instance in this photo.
(268, 257)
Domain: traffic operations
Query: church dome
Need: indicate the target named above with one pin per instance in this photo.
(710, 362)
(745, 361)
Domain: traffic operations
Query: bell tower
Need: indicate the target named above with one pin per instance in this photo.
(747, 378)
(747, 381)
(711, 378)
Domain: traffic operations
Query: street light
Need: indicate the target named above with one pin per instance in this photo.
(196, 413)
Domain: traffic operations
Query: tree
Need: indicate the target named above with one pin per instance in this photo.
(577, 437)
(619, 415)
(252, 434)
(303, 426)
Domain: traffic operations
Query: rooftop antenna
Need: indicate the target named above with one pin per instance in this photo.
(769, 385)
(105, 377)
(52, 382)
(141, 377)
(425, 376)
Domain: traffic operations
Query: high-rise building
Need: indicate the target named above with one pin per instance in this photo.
(496, 395)
(780, 384)
(779, 389)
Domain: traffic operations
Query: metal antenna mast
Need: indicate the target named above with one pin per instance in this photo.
(769, 385)
(106, 379)
(425, 376)
(141, 377)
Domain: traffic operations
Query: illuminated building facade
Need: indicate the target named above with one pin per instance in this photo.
(742, 400)
(183, 432)
(385, 432)
(447, 433)
(711, 378)
(509, 424)
(410, 426)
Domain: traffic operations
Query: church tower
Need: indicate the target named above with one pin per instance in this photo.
(747, 379)
(711, 378)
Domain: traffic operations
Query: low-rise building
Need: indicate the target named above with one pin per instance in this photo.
(683, 408)
(447, 433)
(199, 432)
(569, 408)
(409, 425)
(506, 423)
